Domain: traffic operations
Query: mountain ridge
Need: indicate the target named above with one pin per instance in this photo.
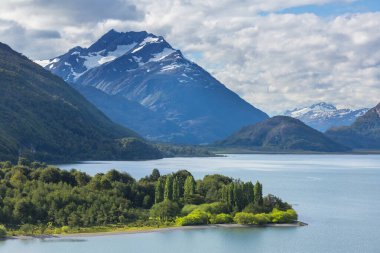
(42, 117)
(192, 104)
(323, 116)
(281, 133)
(364, 133)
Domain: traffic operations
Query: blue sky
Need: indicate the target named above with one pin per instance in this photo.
(335, 9)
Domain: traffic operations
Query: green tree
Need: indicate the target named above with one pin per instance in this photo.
(189, 187)
(3, 231)
(155, 175)
(164, 210)
(176, 189)
(258, 194)
(159, 191)
(168, 193)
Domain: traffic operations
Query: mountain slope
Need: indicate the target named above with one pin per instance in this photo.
(323, 116)
(281, 133)
(44, 118)
(157, 82)
(364, 133)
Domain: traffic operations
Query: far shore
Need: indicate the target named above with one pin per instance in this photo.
(150, 230)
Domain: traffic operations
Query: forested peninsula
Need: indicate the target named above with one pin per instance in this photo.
(37, 199)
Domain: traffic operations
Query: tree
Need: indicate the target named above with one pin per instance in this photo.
(258, 194)
(155, 175)
(189, 187)
(164, 210)
(159, 191)
(168, 193)
(176, 189)
(3, 231)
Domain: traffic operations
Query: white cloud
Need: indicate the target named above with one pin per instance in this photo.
(274, 61)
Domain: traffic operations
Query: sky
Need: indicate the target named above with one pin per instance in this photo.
(277, 55)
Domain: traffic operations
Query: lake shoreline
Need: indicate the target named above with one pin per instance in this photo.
(153, 230)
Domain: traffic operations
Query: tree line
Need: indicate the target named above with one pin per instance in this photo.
(34, 194)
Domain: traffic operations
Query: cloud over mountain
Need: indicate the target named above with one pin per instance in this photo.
(277, 58)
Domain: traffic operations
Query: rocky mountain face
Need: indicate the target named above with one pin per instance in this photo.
(323, 116)
(364, 133)
(138, 80)
(281, 133)
(43, 118)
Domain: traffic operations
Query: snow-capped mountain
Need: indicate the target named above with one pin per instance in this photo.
(140, 81)
(323, 116)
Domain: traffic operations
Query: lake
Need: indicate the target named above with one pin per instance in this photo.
(337, 195)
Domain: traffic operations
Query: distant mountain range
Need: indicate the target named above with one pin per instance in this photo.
(43, 118)
(138, 80)
(323, 116)
(364, 133)
(284, 134)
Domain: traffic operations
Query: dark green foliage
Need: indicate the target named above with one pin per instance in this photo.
(281, 133)
(164, 210)
(176, 150)
(176, 193)
(43, 118)
(159, 190)
(258, 194)
(364, 133)
(168, 193)
(36, 195)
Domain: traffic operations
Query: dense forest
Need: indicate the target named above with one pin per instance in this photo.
(36, 198)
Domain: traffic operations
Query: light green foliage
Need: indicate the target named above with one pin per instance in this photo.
(164, 210)
(3, 231)
(196, 217)
(221, 218)
(276, 216)
(159, 190)
(189, 187)
(283, 216)
(186, 209)
(214, 208)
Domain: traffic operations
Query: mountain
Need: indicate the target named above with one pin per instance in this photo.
(138, 80)
(281, 133)
(323, 116)
(364, 133)
(44, 118)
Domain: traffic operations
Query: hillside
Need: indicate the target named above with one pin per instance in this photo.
(281, 133)
(364, 133)
(145, 84)
(45, 119)
(322, 116)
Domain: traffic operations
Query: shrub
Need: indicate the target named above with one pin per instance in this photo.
(283, 216)
(214, 208)
(244, 218)
(221, 218)
(188, 209)
(164, 210)
(252, 219)
(196, 217)
(65, 229)
(262, 218)
(27, 229)
(3, 231)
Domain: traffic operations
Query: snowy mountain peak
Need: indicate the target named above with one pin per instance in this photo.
(323, 116)
(139, 80)
(140, 48)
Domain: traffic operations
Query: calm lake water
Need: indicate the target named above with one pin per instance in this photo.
(337, 195)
